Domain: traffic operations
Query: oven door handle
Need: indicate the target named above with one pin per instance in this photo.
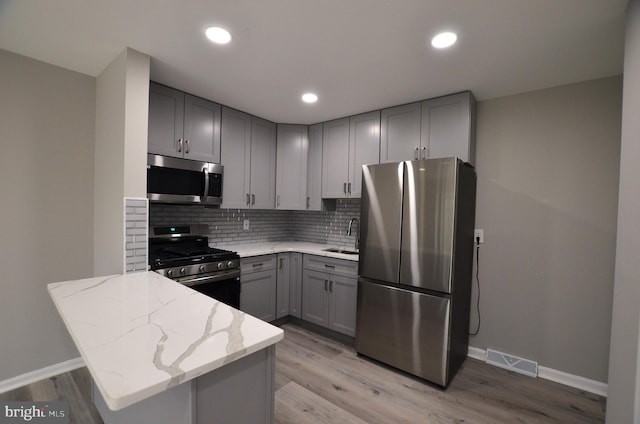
(227, 275)
(206, 184)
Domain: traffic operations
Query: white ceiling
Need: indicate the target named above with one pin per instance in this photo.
(357, 55)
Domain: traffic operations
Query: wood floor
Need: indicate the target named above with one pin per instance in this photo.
(319, 380)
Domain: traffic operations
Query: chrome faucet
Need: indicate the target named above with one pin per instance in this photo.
(357, 245)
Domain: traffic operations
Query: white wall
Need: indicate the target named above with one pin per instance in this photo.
(547, 165)
(120, 153)
(46, 198)
(623, 403)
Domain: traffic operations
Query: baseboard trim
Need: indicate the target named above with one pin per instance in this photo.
(477, 353)
(571, 380)
(586, 384)
(40, 374)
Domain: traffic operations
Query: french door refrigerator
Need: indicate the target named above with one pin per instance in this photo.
(416, 265)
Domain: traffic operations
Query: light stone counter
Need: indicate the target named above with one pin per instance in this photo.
(141, 334)
(267, 248)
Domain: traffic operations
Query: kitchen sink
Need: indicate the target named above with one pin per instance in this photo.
(340, 250)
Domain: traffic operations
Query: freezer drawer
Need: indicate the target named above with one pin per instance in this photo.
(404, 329)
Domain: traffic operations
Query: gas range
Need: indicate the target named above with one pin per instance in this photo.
(182, 253)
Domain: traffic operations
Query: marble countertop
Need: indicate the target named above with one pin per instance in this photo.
(141, 333)
(266, 248)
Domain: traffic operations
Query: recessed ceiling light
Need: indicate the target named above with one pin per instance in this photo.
(218, 35)
(309, 98)
(444, 40)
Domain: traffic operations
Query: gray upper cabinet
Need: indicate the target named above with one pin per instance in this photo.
(448, 127)
(291, 173)
(435, 128)
(248, 147)
(263, 164)
(364, 148)
(400, 133)
(347, 144)
(314, 169)
(335, 158)
(182, 125)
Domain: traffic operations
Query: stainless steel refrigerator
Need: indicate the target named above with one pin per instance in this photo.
(416, 265)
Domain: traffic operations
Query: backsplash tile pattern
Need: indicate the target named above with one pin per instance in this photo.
(135, 238)
(225, 225)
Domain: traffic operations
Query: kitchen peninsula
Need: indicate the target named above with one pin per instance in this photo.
(160, 352)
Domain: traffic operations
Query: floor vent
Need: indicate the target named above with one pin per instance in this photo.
(512, 363)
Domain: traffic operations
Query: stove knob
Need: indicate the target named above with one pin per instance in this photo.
(182, 271)
(229, 264)
(201, 268)
(170, 273)
(220, 265)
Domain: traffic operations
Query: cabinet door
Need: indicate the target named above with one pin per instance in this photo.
(335, 158)
(364, 148)
(166, 118)
(258, 294)
(400, 133)
(201, 129)
(295, 285)
(447, 126)
(315, 297)
(284, 282)
(236, 158)
(263, 164)
(342, 304)
(291, 167)
(314, 169)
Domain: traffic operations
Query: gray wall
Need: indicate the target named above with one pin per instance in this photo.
(547, 164)
(46, 187)
(623, 404)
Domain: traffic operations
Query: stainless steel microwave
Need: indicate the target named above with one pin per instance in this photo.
(183, 181)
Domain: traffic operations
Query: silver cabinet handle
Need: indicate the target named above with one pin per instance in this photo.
(248, 199)
(424, 152)
(186, 146)
(253, 199)
(281, 261)
(329, 266)
(349, 188)
(415, 154)
(344, 188)
(308, 202)
(257, 265)
(179, 145)
(278, 200)
(326, 285)
(206, 184)
(331, 286)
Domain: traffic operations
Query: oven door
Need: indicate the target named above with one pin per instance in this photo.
(222, 286)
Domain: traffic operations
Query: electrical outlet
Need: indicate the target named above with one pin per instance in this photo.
(245, 224)
(478, 234)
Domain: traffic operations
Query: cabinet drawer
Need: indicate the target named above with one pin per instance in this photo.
(332, 265)
(257, 263)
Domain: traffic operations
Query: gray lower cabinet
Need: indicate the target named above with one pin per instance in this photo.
(258, 286)
(283, 285)
(329, 293)
(295, 285)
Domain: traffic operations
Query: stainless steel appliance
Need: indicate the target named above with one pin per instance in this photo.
(182, 253)
(174, 180)
(416, 264)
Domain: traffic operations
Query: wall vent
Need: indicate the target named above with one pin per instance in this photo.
(512, 363)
